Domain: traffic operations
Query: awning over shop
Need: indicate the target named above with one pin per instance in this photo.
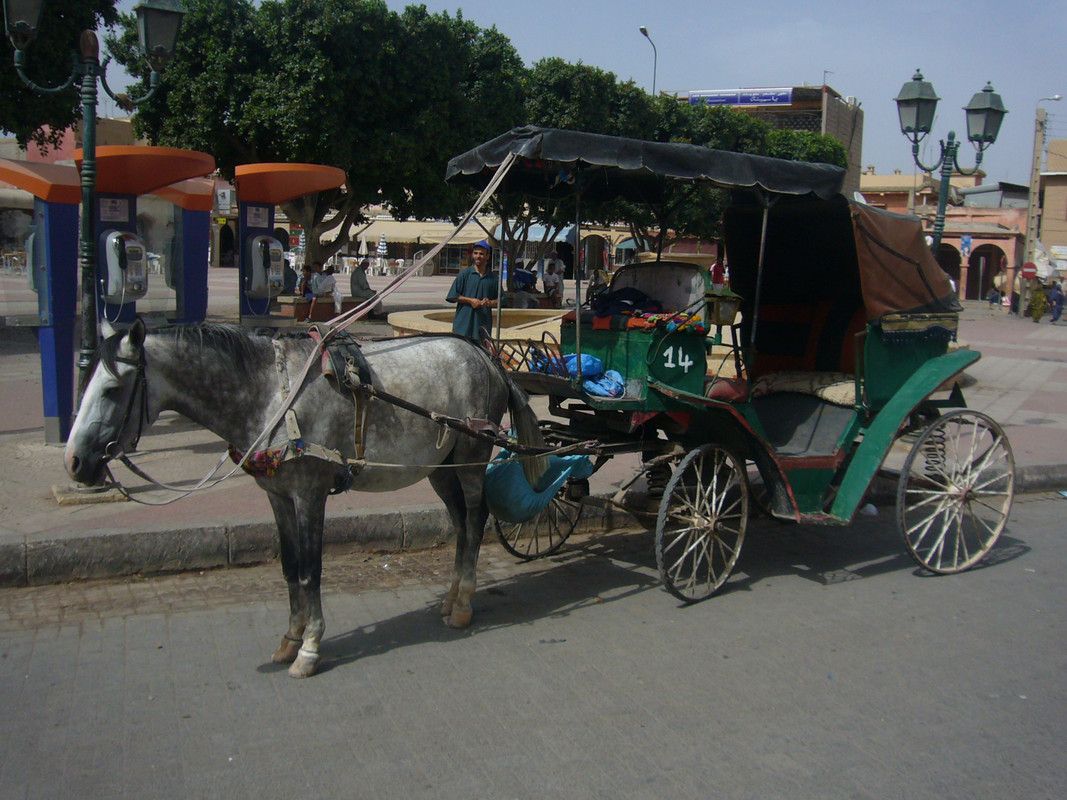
(393, 230)
(419, 232)
(434, 232)
(536, 234)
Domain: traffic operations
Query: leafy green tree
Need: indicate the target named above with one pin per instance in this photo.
(806, 146)
(578, 97)
(24, 112)
(387, 97)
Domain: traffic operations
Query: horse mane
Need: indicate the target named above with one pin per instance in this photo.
(228, 341)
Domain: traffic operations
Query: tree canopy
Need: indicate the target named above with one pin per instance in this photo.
(387, 97)
(49, 60)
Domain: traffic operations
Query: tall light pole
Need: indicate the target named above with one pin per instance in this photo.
(655, 57)
(1032, 215)
(158, 22)
(916, 105)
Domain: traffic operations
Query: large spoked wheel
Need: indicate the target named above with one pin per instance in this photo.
(544, 534)
(955, 491)
(701, 523)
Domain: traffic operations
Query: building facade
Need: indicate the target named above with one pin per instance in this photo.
(816, 109)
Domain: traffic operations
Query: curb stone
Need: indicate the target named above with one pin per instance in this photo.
(111, 554)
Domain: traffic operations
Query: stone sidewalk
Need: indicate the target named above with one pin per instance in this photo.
(1021, 381)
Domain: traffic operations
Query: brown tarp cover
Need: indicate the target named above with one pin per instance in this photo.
(835, 251)
(898, 271)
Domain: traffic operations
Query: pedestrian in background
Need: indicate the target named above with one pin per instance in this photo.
(474, 291)
(1055, 300)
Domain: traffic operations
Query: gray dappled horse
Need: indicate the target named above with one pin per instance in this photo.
(234, 383)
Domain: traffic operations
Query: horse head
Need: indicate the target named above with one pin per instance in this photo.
(112, 410)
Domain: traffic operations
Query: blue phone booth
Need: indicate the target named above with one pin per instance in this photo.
(52, 259)
(187, 258)
(260, 187)
(124, 173)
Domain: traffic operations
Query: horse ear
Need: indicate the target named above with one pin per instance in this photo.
(137, 333)
(107, 330)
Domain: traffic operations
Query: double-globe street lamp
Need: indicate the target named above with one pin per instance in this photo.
(916, 105)
(158, 22)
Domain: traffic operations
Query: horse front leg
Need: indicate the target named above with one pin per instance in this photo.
(310, 515)
(285, 518)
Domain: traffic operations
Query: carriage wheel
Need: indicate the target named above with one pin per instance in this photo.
(955, 491)
(544, 534)
(701, 523)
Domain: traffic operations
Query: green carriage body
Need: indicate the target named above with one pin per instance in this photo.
(843, 350)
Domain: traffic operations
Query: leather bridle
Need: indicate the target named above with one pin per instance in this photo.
(139, 393)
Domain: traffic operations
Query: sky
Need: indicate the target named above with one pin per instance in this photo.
(866, 49)
(863, 49)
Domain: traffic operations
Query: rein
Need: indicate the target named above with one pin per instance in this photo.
(336, 325)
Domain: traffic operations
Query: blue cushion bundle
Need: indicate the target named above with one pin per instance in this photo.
(511, 498)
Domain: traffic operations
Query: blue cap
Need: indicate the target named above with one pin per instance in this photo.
(484, 244)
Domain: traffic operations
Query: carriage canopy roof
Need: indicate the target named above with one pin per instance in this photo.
(552, 161)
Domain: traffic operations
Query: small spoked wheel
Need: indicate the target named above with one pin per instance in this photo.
(701, 523)
(544, 534)
(955, 491)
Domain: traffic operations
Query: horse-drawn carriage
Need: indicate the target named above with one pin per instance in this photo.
(836, 367)
(833, 374)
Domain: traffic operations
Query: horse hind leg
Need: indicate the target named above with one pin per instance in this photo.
(464, 497)
(450, 490)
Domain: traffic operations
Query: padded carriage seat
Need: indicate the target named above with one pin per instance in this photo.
(838, 388)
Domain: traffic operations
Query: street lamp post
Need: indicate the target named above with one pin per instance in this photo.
(655, 57)
(1035, 179)
(916, 105)
(158, 22)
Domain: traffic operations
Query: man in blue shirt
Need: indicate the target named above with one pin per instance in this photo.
(474, 291)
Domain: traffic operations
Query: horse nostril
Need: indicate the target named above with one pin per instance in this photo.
(73, 463)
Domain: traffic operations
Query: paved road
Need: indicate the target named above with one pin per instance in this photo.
(830, 668)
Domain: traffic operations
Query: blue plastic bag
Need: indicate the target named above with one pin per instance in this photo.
(592, 367)
(610, 384)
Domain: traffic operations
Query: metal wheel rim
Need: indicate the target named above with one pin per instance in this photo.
(544, 534)
(952, 513)
(701, 524)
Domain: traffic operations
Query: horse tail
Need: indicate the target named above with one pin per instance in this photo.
(527, 431)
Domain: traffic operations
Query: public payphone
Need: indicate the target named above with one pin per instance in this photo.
(264, 267)
(124, 277)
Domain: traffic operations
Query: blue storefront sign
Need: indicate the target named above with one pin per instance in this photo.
(742, 97)
(965, 244)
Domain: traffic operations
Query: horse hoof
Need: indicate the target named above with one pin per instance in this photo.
(446, 608)
(286, 652)
(305, 665)
(459, 618)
